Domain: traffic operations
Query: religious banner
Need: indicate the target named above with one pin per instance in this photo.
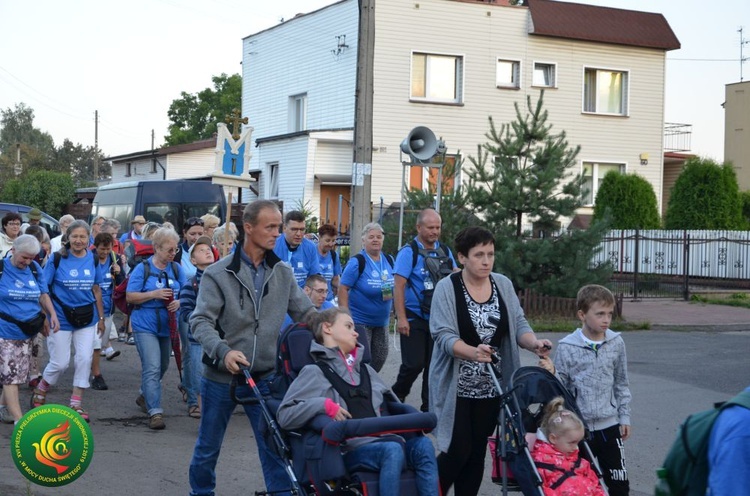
(233, 153)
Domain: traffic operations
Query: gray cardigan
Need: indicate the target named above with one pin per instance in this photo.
(444, 366)
(227, 297)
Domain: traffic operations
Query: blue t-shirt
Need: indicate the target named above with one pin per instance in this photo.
(729, 451)
(107, 286)
(329, 269)
(303, 260)
(19, 297)
(129, 235)
(152, 316)
(288, 319)
(366, 293)
(72, 282)
(416, 276)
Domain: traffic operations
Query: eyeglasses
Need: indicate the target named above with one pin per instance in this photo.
(297, 229)
(13, 223)
(320, 291)
(192, 222)
(171, 251)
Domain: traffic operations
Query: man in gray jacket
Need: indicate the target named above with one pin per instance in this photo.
(241, 304)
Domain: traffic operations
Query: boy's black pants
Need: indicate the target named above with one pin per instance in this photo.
(608, 448)
(416, 352)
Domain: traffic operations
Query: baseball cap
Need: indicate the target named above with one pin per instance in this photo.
(138, 219)
(35, 214)
(203, 240)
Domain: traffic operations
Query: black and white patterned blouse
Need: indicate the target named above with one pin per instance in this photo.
(474, 380)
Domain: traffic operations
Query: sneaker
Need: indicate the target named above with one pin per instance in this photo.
(102, 353)
(111, 354)
(5, 416)
(121, 338)
(131, 340)
(141, 402)
(98, 383)
(156, 422)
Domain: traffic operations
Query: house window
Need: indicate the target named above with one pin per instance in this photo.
(436, 78)
(545, 75)
(273, 180)
(128, 169)
(593, 175)
(605, 91)
(508, 74)
(298, 113)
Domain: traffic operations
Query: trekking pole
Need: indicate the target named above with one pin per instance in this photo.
(506, 416)
(281, 447)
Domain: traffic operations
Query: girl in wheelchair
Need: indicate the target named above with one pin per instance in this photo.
(340, 386)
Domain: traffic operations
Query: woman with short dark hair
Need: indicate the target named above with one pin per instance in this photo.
(11, 230)
(475, 314)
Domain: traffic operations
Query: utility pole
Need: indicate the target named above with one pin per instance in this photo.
(743, 42)
(362, 166)
(96, 146)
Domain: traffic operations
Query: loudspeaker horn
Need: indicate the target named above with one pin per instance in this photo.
(420, 144)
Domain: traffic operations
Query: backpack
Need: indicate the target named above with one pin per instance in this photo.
(119, 294)
(438, 264)
(687, 460)
(141, 250)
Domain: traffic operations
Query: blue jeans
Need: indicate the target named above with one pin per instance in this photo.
(387, 457)
(154, 352)
(192, 369)
(216, 410)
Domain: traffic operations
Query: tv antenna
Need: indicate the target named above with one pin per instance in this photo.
(743, 42)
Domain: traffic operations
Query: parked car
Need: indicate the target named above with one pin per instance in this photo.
(174, 201)
(48, 222)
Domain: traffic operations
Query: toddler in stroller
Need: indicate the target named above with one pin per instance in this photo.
(562, 468)
(338, 387)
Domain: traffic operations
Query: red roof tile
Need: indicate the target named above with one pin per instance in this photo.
(601, 24)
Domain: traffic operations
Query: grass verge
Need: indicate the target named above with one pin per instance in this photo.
(562, 324)
(741, 300)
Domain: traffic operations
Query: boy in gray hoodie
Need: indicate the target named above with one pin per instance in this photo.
(312, 393)
(592, 364)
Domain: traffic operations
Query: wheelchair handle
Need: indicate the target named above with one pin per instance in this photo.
(248, 378)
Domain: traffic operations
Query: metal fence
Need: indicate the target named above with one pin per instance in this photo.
(675, 263)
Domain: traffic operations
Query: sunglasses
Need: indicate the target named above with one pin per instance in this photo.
(192, 222)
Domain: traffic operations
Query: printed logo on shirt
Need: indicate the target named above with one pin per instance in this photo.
(300, 265)
(18, 284)
(159, 284)
(86, 272)
(374, 274)
(73, 273)
(32, 283)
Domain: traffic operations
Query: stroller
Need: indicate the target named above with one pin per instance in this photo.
(313, 457)
(522, 408)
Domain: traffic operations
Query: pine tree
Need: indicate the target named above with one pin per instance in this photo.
(524, 173)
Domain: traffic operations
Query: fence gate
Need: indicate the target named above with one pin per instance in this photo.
(673, 264)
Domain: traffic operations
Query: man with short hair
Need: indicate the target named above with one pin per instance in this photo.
(96, 228)
(412, 284)
(241, 304)
(297, 251)
(330, 264)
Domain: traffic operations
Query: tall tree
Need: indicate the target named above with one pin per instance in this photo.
(705, 196)
(524, 173)
(78, 160)
(19, 137)
(194, 116)
(48, 191)
(629, 200)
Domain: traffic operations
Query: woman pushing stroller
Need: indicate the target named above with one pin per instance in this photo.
(317, 390)
(563, 470)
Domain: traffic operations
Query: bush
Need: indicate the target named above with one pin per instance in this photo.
(630, 200)
(49, 191)
(705, 196)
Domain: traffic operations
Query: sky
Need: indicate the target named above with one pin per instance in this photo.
(130, 59)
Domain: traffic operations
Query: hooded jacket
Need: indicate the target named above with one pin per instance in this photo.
(306, 397)
(597, 379)
(227, 298)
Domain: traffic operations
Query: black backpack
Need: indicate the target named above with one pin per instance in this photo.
(438, 264)
(361, 262)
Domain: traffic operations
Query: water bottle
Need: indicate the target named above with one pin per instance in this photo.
(662, 485)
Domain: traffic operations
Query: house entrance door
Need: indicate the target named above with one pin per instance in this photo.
(329, 206)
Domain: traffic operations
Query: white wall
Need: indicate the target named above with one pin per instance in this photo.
(293, 58)
(291, 155)
(195, 163)
(140, 171)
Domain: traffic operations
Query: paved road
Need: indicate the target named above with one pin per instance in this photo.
(672, 374)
